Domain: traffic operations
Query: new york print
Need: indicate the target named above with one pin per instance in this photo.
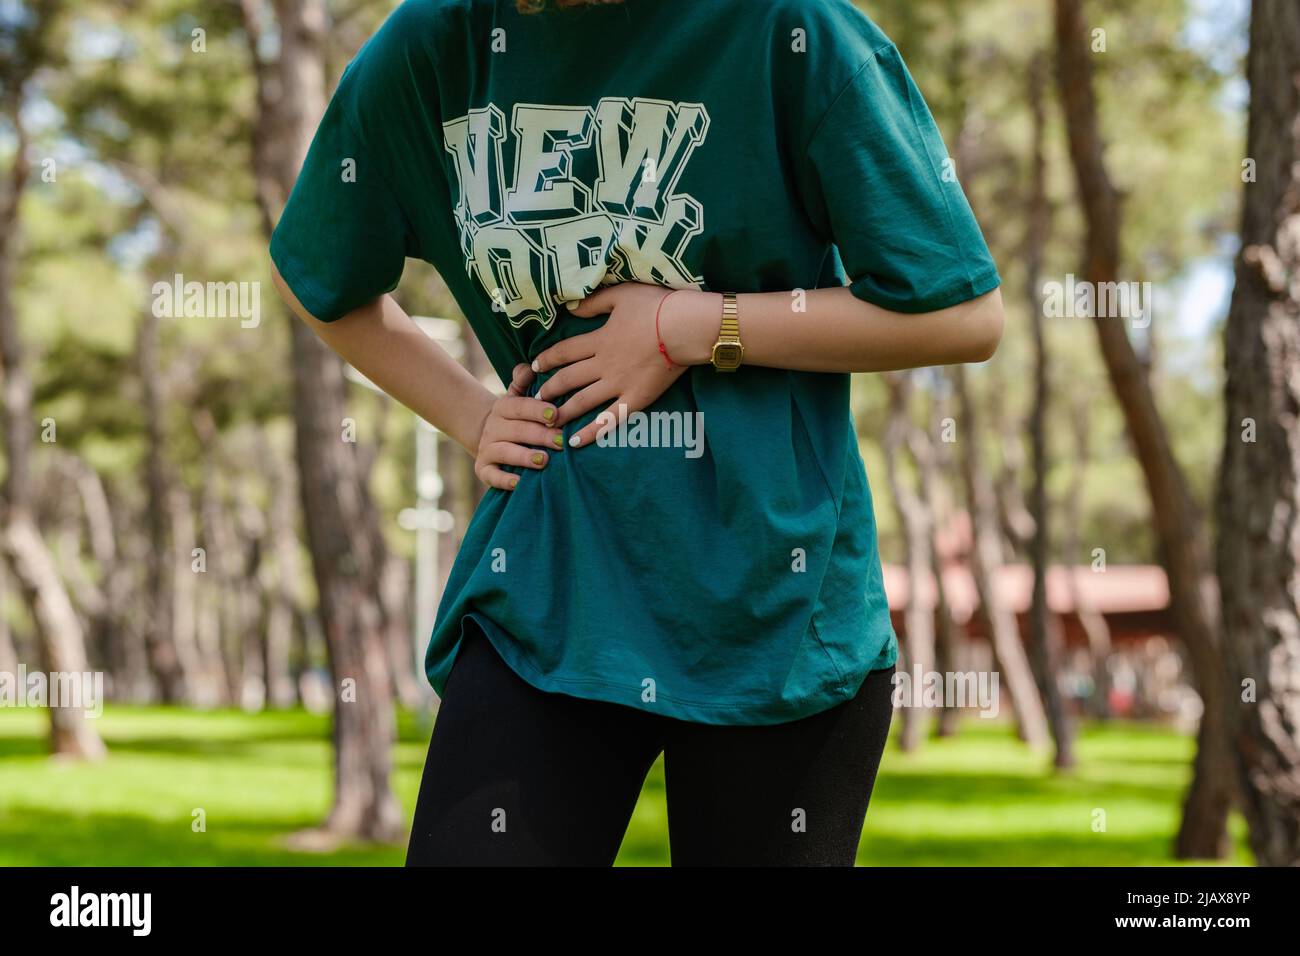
(548, 237)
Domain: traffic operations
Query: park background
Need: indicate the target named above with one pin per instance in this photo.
(1067, 509)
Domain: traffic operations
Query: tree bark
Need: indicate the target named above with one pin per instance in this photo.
(285, 592)
(164, 657)
(339, 517)
(207, 683)
(916, 521)
(395, 593)
(119, 641)
(1015, 515)
(947, 650)
(1259, 486)
(102, 540)
(394, 586)
(61, 639)
(215, 627)
(63, 651)
(248, 605)
(1045, 638)
(1093, 622)
(61, 524)
(1203, 832)
(996, 620)
(8, 650)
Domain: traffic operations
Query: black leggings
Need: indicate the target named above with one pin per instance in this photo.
(520, 776)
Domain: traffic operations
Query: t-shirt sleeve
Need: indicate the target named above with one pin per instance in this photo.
(876, 183)
(342, 239)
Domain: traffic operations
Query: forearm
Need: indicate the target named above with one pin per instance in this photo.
(835, 331)
(383, 343)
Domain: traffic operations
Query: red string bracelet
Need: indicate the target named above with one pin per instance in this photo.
(662, 348)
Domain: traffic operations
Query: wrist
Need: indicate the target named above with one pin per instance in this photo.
(471, 432)
(690, 325)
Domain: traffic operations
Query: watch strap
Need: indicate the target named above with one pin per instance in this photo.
(728, 343)
(730, 329)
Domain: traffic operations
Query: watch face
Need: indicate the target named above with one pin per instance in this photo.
(727, 355)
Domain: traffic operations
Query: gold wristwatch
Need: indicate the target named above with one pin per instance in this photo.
(727, 351)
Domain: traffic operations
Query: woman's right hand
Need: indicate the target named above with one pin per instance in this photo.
(515, 432)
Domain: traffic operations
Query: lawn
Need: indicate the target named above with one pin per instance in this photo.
(977, 799)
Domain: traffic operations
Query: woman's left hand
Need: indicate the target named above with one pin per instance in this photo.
(618, 364)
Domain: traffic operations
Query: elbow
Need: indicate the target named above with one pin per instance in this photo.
(287, 296)
(986, 323)
(281, 287)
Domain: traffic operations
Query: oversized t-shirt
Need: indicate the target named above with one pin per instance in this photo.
(727, 574)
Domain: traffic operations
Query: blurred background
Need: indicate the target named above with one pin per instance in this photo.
(1102, 515)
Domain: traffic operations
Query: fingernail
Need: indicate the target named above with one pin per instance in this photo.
(514, 483)
(548, 413)
(575, 441)
(557, 441)
(535, 366)
(538, 458)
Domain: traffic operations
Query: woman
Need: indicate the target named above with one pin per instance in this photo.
(677, 552)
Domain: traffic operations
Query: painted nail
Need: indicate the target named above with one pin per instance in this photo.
(538, 458)
(575, 441)
(548, 413)
(514, 483)
(557, 441)
(535, 366)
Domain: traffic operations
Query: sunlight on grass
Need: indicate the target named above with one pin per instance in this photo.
(978, 799)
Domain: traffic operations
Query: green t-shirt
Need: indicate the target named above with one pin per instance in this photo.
(728, 145)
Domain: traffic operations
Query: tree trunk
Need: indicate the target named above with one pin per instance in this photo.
(102, 540)
(8, 650)
(987, 544)
(996, 620)
(61, 524)
(63, 650)
(248, 605)
(915, 520)
(1015, 517)
(207, 683)
(1203, 833)
(394, 580)
(62, 641)
(285, 598)
(123, 642)
(395, 591)
(339, 518)
(1091, 620)
(164, 658)
(947, 652)
(1045, 639)
(215, 632)
(1259, 490)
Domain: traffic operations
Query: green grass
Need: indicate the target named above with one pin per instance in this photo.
(977, 799)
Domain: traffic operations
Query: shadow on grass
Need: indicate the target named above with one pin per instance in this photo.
(26, 746)
(993, 791)
(31, 836)
(1047, 849)
(288, 728)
